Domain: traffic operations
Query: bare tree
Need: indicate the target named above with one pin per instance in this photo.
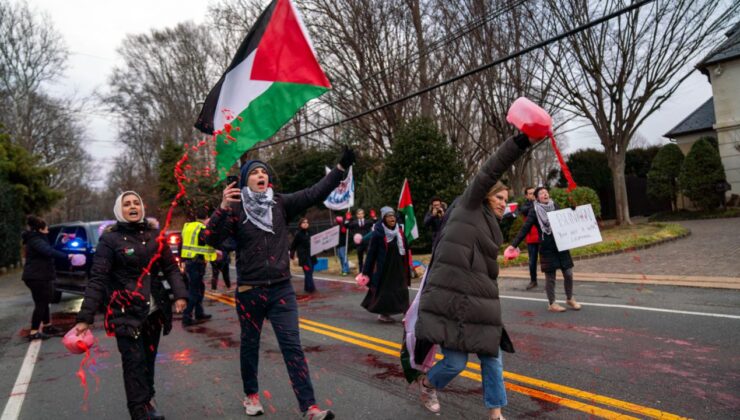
(619, 73)
(32, 54)
(156, 92)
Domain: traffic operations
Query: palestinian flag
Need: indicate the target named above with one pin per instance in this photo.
(406, 207)
(273, 74)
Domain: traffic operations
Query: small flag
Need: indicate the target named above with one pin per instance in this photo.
(273, 74)
(343, 197)
(406, 207)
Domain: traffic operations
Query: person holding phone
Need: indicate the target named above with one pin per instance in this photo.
(256, 217)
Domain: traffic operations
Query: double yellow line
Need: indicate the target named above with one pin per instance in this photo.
(587, 399)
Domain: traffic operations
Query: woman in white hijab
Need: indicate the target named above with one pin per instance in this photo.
(124, 276)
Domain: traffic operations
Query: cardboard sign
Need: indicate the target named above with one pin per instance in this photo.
(325, 240)
(574, 228)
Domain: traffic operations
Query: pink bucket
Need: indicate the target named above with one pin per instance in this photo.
(77, 344)
(529, 118)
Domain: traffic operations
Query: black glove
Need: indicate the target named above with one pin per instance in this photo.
(348, 158)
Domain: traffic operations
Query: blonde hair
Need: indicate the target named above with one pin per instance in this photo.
(499, 186)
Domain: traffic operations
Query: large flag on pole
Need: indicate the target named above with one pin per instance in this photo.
(343, 197)
(406, 207)
(273, 74)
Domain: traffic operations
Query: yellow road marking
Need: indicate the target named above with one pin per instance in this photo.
(347, 336)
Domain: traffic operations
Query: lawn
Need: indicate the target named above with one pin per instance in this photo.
(614, 239)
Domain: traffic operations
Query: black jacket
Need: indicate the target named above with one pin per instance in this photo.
(434, 222)
(550, 258)
(354, 229)
(377, 253)
(302, 247)
(459, 307)
(262, 257)
(39, 266)
(122, 254)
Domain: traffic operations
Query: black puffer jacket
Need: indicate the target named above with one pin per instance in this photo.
(262, 257)
(122, 254)
(459, 307)
(301, 246)
(550, 258)
(39, 266)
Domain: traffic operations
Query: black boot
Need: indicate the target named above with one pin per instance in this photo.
(152, 411)
(531, 285)
(139, 412)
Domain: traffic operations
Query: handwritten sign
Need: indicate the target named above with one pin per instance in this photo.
(574, 228)
(325, 240)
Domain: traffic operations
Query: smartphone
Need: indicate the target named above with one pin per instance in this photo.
(232, 179)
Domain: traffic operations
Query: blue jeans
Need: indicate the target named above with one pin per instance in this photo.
(342, 254)
(278, 303)
(492, 371)
(533, 250)
(308, 285)
(196, 270)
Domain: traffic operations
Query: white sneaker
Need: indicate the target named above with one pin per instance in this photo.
(428, 396)
(315, 413)
(252, 405)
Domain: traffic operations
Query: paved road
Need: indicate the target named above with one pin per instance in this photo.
(712, 249)
(682, 364)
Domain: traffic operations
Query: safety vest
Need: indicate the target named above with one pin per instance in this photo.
(190, 247)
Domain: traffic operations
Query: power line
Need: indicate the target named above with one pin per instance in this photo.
(496, 62)
(432, 47)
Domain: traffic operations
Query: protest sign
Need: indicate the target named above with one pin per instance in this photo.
(574, 228)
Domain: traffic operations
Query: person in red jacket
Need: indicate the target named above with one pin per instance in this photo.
(532, 239)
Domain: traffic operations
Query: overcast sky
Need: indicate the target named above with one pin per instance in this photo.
(93, 30)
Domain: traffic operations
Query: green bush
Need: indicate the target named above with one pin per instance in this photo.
(10, 229)
(702, 171)
(577, 197)
(663, 175)
(422, 154)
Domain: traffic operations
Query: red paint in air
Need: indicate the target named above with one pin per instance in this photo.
(268, 394)
(566, 171)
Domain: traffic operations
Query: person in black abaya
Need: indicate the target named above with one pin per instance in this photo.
(387, 269)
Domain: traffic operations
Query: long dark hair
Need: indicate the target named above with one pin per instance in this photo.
(35, 223)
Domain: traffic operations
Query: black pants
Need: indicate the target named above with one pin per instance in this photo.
(41, 292)
(137, 357)
(221, 267)
(360, 257)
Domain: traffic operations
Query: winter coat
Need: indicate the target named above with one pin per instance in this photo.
(39, 266)
(302, 247)
(354, 229)
(459, 307)
(434, 222)
(123, 252)
(262, 257)
(533, 236)
(377, 253)
(550, 258)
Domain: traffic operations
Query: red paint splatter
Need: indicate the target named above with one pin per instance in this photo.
(267, 394)
(329, 403)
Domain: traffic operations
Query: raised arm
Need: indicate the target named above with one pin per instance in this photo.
(496, 165)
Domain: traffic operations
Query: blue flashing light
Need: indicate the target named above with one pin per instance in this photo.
(74, 244)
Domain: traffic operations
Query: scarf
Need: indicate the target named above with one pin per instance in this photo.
(394, 233)
(118, 207)
(542, 210)
(258, 208)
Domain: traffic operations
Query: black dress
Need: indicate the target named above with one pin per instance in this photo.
(390, 295)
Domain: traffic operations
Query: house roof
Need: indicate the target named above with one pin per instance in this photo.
(725, 51)
(701, 119)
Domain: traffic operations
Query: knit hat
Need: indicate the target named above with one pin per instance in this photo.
(248, 167)
(386, 211)
(118, 207)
